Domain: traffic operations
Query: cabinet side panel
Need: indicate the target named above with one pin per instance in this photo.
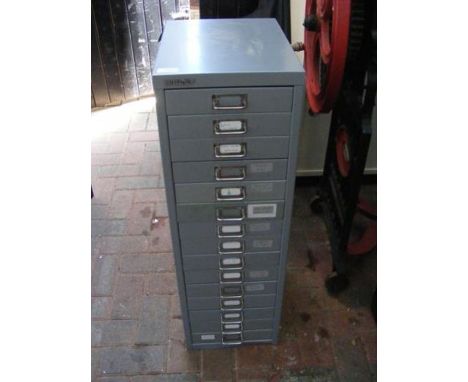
(296, 121)
(170, 196)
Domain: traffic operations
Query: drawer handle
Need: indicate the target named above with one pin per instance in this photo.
(240, 99)
(231, 231)
(231, 263)
(231, 247)
(231, 303)
(231, 316)
(232, 327)
(230, 193)
(219, 175)
(230, 150)
(237, 127)
(231, 277)
(232, 339)
(231, 291)
(221, 217)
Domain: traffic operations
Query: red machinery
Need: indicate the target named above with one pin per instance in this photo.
(325, 49)
(340, 49)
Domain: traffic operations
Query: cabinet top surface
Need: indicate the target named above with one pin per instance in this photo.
(225, 46)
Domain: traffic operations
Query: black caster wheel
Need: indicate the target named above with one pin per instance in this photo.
(374, 305)
(316, 205)
(336, 283)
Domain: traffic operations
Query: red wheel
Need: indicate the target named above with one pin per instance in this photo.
(325, 49)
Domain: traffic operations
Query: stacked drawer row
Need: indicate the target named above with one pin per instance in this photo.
(229, 151)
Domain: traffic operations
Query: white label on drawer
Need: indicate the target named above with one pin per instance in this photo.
(262, 243)
(254, 287)
(261, 167)
(232, 191)
(230, 125)
(258, 274)
(231, 261)
(231, 229)
(262, 187)
(207, 337)
(231, 245)
(259, 227)
(230, 149)
(231, 275)
(231, 302)
(231, 326)
(231, 316)
(261, 211)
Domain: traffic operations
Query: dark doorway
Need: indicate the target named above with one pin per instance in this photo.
(124, 44)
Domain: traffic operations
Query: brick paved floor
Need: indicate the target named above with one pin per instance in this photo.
(136, 327)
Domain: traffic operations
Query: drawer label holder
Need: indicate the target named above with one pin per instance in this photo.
(230, 150)
(230, 127)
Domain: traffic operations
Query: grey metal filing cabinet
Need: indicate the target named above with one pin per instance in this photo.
(229, 96)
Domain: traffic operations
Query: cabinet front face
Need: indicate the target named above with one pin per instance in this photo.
(230, 183)
(229, 157)
(230, 190)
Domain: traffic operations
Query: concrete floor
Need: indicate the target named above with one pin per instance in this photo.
(137, 331)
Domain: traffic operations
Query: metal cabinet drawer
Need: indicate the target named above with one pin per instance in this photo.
(249, 260)
(228, 125)
(229, 212)
(247, 336)
(229, 191)
(193, 246)
(245, 314)
(254, 301)
(230, 276)
(225, 149)
(192, 172)
(201, 326)
(214, 290)
(226, 230)
(228, 100)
